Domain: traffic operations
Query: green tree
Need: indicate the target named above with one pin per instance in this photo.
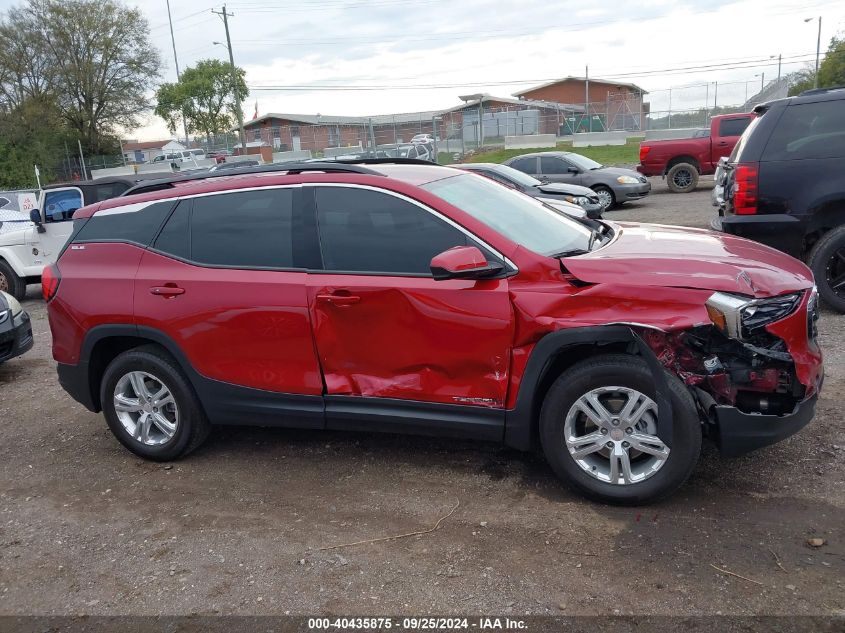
(831, 70)
(31, 133)
(102, 64)
(204, 96)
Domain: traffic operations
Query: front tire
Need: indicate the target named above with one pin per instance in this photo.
(682, 178)
(827, 261)
(598, 431)
(10, 282)
(150, 406)
(606, 197)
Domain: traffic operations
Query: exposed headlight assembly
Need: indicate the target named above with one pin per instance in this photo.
(579, 200)
(739, 317)
(627, 180)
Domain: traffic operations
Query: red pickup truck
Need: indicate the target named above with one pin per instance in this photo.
(683, 160)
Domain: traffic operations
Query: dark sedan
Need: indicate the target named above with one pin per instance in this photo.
(614, 185)
(15, 328)
(584, 197)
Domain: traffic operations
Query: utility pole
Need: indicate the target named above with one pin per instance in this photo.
(762, 82)
(779, 57)
(178, 74)
(587, 96)
(716, 97)
(238, 110)
(818, 48)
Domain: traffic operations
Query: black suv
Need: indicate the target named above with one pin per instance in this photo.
(785, 184)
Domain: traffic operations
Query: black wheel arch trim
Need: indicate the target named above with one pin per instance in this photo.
(520, 423)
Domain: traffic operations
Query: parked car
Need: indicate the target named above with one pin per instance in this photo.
(15, 328)
(219, 156)
(682, 161)
(422, 138)
(425, 299)
(178, 158)
(422, 151)
(238, 164)
(614, 185)
(584, 197)
(29, 246)
(785, 184)
(717, 196)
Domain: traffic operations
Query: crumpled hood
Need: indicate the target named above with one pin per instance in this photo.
(659, 255)
(562, 188)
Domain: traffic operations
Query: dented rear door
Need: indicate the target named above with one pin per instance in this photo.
(383, 327)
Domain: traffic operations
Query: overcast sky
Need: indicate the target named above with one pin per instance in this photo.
(492, 46)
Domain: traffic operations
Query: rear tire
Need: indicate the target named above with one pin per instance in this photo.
(10, 282)
(171, 430)
(682, 178)
(827, 261)
(565, 429)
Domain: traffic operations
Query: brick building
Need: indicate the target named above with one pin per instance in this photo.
(617, 105)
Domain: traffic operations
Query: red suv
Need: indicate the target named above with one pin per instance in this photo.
(424, 299)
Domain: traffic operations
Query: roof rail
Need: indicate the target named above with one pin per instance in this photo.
(288, 168)
(384, 161)
(820, 91)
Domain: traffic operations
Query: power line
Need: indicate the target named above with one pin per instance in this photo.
(664, 71)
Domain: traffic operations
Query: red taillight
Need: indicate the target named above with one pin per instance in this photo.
(50, 278)
(745, 188)
(644, 150)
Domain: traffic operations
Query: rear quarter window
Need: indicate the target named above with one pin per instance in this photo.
(808, 130)
(117, 225)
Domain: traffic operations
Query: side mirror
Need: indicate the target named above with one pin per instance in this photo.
(463, 262)
(35, 218)
(574, 170)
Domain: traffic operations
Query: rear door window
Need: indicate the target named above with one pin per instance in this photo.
(808, 130)
(525, 165)
(248, 229)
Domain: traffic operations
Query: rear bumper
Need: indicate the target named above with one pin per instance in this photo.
(783, 232)
(651, 170)
(15, 336)
(740, 433)
(74, 380)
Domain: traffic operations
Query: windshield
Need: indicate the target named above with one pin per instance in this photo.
(517, 176)
(582, 162)
(518, 217)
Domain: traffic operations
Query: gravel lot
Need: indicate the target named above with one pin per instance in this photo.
(238, 526)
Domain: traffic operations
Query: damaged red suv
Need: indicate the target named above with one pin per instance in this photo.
(423, 299)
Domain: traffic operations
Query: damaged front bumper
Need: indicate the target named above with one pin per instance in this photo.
(738, 433)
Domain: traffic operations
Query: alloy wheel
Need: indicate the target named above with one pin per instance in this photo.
(834, 272)
(682, 178)
(611, 433)
(146, 408)
(4, 283)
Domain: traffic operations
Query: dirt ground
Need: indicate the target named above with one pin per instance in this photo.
(241, 525)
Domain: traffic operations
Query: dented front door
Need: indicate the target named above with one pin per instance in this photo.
(383, 327)
(413, 338)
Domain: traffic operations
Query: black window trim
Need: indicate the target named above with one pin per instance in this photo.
(510, 268)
